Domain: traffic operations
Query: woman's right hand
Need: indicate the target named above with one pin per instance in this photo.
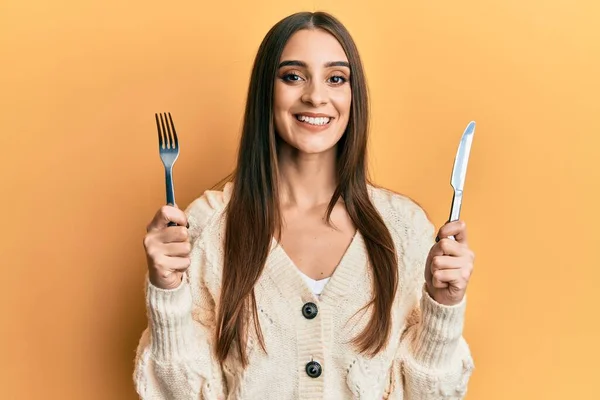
(167, 248)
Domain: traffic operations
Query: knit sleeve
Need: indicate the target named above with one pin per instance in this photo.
(175, 358)
(434, 358)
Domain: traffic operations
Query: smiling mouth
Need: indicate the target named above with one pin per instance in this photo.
(317, 121)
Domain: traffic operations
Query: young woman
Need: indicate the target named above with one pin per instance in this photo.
(300, 279)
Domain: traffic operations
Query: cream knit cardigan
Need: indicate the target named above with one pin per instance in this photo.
(426, 358)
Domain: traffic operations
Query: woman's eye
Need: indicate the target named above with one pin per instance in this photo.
(338, 80)
(291, 78)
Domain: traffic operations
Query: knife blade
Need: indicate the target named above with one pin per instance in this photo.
(459, 171)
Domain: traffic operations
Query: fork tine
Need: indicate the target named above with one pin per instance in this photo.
(168, 132)
(164, 132)
(160, 139)
(174, 133)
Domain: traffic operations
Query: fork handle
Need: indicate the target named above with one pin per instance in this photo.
(170, 190)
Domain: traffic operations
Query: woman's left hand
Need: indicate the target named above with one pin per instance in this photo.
(449, 265)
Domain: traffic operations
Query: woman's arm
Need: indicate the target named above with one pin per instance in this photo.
(175, 357)
(433, 360)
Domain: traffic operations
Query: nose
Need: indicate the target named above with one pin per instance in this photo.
(315, 94)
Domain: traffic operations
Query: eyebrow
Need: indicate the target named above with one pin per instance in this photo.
(302, 64)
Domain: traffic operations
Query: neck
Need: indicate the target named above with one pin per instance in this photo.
(306, 180)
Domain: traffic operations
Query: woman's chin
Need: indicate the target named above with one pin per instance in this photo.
(310, 145)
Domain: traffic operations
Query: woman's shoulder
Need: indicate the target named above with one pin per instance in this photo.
(207, 207)
(400, 210)
(384, 197)
(412, 230)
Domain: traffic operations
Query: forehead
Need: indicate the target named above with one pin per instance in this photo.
(313, 46)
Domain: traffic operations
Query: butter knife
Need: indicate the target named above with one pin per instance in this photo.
(459, 170)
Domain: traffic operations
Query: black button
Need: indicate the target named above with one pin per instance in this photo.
(309, 310)
(313, 369)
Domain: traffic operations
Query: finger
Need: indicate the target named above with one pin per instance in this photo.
(448, 247)
(183, 265)
(181, 249)
(458, 229)
(445, 262)
(448, 277)
(165, 215)
(168, 263)
(174, 234)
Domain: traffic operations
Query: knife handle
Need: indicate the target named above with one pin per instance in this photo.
(454, 210)
(456, 204)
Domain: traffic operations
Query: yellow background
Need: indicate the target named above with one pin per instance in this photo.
(80, 174)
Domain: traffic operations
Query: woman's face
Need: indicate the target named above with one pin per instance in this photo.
(312, 92)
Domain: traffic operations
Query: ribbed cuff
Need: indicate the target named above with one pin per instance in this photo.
(439, 333)
(171, 321)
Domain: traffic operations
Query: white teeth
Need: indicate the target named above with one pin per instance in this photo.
(314, 121)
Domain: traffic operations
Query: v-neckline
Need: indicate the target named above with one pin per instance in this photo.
(289, 275)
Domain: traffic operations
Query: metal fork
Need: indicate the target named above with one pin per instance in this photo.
(168, 147)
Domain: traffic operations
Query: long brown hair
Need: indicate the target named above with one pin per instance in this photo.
(253, 214)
